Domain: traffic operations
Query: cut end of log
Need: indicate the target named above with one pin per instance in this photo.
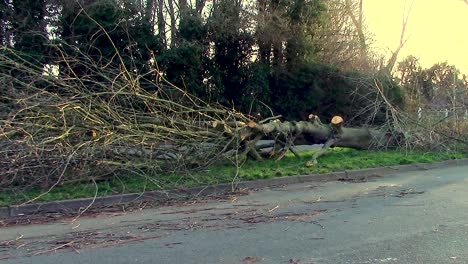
(312, 117)
(337, 120)
(311, 163)
(252, 124)
(215, 124)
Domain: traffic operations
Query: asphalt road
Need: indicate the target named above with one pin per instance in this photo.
(416, 217)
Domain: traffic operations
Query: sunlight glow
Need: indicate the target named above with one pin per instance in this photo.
(436, 29)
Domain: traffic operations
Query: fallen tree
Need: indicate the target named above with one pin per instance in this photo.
(287, 134)
(59, 129)
(76, 128)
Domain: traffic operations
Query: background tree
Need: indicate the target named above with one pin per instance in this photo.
(109, 33)
(409, 72)
(232, 49)
(5, 13)
(439, 87)
(185, 64)
(29, 27)
(261, 56)
(343, 39)
(284, 29)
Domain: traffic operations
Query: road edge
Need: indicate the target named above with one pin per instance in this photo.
(351, 175)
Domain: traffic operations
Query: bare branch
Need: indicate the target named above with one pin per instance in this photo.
(392, 61)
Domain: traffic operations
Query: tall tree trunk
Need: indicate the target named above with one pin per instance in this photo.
(182, 5)
(277, 42)
(3, 11)
(199, 5)
(264, 45)
(149, 11)
(172, 16)
(161, 22)
(277, 53)
(357, 22)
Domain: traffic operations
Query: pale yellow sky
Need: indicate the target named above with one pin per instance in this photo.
(437, 29)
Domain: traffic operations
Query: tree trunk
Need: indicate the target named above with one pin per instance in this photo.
(172, 15)
(161, 22)
(149, 11)
(3, 15)
(200, 4)
(357, 22)
(264, 44)
(287, 134)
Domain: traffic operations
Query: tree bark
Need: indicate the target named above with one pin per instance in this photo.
(172, 15)
(287, 134)
(161, 22)
(200, 4)
(149, 11)
(359, 27)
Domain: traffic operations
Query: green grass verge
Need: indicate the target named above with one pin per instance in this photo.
(336, 160)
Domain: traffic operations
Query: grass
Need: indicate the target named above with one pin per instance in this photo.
(336, 160)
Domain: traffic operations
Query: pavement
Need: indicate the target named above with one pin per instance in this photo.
(410, 217)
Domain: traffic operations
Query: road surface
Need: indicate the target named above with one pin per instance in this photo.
(414, 217)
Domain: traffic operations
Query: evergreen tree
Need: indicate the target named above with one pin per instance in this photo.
(110, 33)
(232, 50)
(4, 13)
(29, 29)
(185, 63)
